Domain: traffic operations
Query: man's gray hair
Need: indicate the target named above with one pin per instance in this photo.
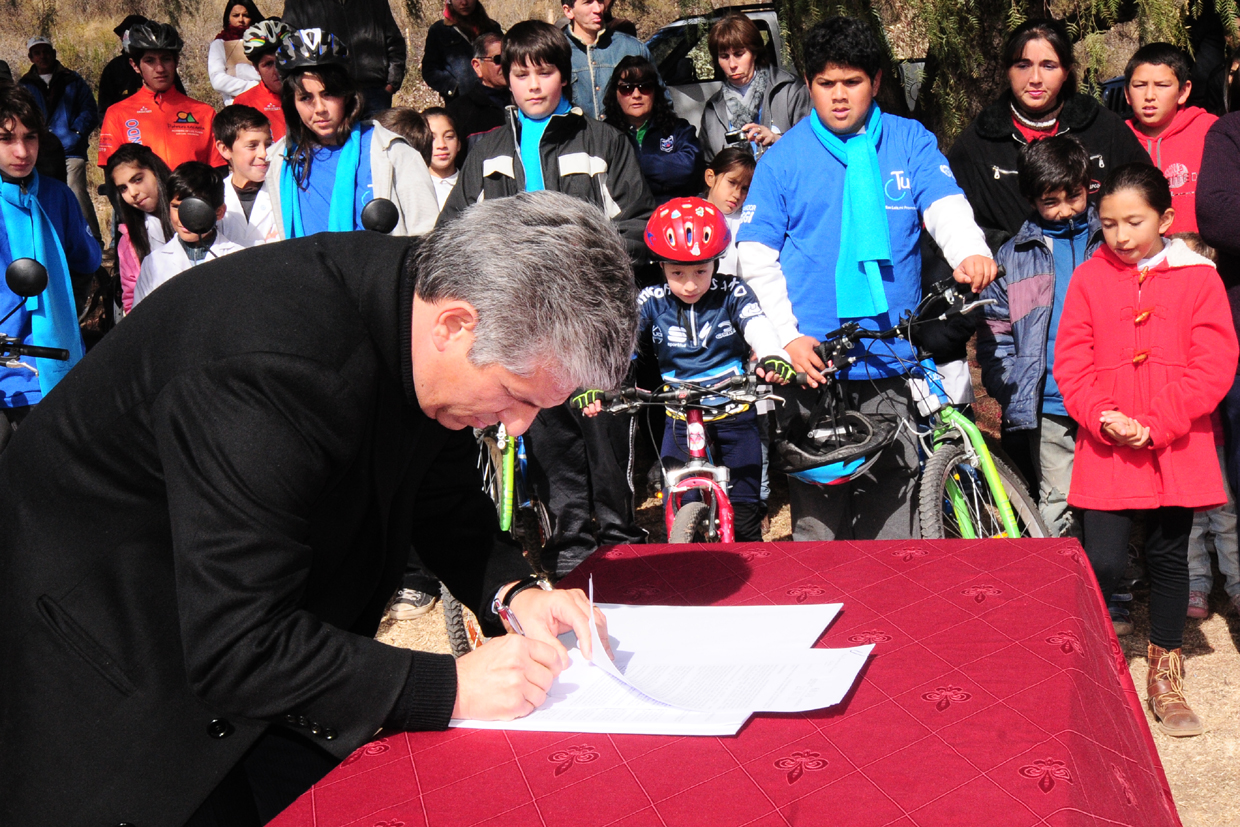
(550, 280)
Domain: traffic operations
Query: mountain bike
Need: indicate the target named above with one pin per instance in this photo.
(964, 490)
(504, 466)
(710, 518)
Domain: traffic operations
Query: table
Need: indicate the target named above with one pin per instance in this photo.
(997, 694)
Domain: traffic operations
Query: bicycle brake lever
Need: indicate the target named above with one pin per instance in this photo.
(969, 307)
(15, 364)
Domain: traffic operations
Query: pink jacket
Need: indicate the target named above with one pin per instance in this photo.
(130, 267)
(1177, 152)
(1163, 352)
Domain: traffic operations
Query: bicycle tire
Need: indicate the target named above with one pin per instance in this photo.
(464, 633)
(950, 464)
(690, 525)
(490, 466)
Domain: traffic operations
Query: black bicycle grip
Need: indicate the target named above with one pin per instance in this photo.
(57, 353)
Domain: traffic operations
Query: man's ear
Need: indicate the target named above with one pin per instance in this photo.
(454, 320)
(1186, 89)
(878, 81)
(134, 66)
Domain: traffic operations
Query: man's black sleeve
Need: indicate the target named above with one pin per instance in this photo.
(249, 448)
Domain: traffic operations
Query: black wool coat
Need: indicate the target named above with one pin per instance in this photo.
(202, 524)
(983, 159)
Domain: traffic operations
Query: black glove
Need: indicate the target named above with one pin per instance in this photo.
(777, 366)
(583, 399)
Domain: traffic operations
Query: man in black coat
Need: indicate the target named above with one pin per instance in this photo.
(376, 44)
(481, 106)
(203, 522)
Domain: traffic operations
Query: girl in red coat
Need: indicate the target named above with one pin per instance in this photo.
(1146, 350)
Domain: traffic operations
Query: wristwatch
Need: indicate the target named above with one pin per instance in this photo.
(502, 604)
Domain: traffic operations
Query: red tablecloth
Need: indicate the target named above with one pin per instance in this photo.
(997, 694)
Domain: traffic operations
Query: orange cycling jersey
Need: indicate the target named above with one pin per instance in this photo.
(265, 101)
(176, 128)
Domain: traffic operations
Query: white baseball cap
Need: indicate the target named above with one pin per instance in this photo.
(36, 40)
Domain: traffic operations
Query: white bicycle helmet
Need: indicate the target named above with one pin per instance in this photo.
(264, 36)
(309, 49)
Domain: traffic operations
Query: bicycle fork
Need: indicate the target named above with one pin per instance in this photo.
(700, 475)
(981, 452)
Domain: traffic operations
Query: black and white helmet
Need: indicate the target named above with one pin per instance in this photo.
(310, 48)
(264, 36)
(152, 37)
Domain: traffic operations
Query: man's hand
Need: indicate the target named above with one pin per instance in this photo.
(775, 369)
(805, 360)
(505, 678)
(976, 271)
(546, 614)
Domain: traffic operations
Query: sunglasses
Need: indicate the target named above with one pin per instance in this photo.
(630, 88)
(496, 59)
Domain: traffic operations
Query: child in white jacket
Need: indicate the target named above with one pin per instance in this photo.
(243, 139)
(186, 249)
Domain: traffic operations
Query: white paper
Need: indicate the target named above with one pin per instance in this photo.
(694, 671)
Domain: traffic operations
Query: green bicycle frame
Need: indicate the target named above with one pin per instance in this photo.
(508, 450)
(958, 421)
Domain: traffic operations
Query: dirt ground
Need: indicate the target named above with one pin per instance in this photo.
(1202, 770)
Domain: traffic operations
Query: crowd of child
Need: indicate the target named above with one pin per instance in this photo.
(1108, 343)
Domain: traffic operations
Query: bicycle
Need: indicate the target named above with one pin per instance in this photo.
(709, 520)
(964, 490)
(504, 466)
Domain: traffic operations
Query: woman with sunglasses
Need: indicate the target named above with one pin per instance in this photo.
(667, 146)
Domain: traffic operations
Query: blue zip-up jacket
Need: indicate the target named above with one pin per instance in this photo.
(671, 160)
(68, 106)
(593, 65)
(1012, 345)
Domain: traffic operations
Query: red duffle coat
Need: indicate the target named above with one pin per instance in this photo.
(1161, 348)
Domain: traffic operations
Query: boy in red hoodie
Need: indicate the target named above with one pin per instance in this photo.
(1157, 88)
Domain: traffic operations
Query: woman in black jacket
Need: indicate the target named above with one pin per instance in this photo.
(667, 146)
(1042, 101)
(447, 59)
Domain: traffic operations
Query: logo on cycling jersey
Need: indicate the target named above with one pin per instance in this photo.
(186, 117)
(667, 144)
(143, 111)
(656, 333)
(677, 335)
(133, 132)
(750, 310)
(725, 330)
(898, 186)
(946, 170)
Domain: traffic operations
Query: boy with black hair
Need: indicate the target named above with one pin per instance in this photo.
(1157, 86)
(243, 138)
(808, 250)
(39, 219)
(548, 144)
(191, 179)
(1016, 346)
(177, 128)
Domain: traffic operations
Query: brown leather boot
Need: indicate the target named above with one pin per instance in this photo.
(1165, 685)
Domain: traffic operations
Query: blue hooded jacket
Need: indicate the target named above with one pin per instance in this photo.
(74, 114)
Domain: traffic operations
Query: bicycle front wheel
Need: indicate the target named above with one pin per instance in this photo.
(956, 501)
(692, 524)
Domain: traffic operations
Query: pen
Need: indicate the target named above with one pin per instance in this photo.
(510, 617)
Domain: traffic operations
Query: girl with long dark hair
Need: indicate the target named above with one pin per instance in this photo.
(230, 70)
(140, 180)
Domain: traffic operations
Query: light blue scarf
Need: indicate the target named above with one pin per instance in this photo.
(864, 240)
(53, 313)
(344, 190)
(531, 141)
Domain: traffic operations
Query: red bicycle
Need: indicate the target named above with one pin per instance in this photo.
(711, 518)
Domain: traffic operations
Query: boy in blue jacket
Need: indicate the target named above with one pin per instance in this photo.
(69, 109)
(1016, 346)
(39, 219)
(830, 232)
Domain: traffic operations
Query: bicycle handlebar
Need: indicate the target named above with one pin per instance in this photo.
(744, 389)
(15, 350)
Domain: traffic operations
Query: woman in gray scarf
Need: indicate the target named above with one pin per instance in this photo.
(758, 102)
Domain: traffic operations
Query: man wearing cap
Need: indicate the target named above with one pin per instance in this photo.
(177, 128)
(118, 79)
(69, 109)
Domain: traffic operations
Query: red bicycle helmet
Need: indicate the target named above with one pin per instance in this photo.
(688, 230)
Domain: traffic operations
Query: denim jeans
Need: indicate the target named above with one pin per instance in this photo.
(1219, 523)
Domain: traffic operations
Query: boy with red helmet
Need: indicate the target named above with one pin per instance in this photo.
(703, 329)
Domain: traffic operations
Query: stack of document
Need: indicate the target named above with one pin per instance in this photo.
(694, 671)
